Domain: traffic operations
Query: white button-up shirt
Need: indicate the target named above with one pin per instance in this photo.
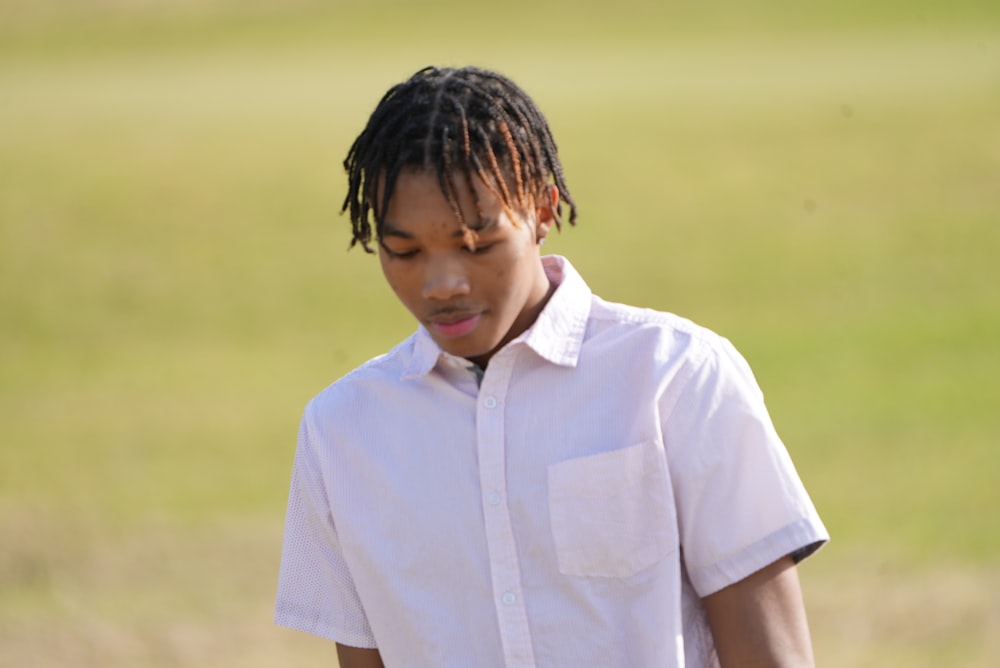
(612, 466)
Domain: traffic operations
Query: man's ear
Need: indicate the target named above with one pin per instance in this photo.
(545, 213)
(548, 204)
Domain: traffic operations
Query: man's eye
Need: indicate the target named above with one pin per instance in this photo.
(399, 255)
(479, 249)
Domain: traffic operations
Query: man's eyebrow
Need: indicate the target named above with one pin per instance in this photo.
(481, 225)
(389, 230)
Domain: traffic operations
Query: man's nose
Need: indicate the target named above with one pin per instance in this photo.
(445, 279)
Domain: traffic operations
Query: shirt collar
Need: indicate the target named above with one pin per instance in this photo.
(556, 335)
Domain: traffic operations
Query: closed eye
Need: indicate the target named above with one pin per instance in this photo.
(398, 255)
(479, 248)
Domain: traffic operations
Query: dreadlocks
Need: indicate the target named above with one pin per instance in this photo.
(457, 122)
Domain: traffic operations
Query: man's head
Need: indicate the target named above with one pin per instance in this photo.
(459, 173)
(453, 123)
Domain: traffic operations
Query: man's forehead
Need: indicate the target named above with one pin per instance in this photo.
(475, 208)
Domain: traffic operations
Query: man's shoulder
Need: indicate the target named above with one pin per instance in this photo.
(379, 372)
(668, 341)
(642, 321)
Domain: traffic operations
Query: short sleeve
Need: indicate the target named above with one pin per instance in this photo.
(315, 591)
(740, 502)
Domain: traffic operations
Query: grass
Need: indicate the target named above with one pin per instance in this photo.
(821, 188)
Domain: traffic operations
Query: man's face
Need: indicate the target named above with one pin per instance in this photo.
(472, 298)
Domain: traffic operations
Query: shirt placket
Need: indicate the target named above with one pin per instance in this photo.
(508, 597)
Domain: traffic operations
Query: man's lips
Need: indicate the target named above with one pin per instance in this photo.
(454, 326)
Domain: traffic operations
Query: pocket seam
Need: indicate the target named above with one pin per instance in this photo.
(639, 511)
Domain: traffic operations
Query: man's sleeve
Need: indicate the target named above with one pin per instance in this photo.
(315, 591)
(740, 502)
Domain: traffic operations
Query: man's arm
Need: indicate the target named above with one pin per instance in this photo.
(761, 620)
(356, 657)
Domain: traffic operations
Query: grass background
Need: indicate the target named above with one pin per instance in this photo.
(821, 184)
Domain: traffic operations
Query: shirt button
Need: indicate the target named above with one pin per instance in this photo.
(490, 402)
(508, 598)
(494, 498)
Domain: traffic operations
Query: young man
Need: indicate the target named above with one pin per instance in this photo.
(536, 477)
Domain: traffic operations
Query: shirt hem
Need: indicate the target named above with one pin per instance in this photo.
(316, 627)
(800, 538)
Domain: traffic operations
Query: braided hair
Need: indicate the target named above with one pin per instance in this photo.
(455, 122)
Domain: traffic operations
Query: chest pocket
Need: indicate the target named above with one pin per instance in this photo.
(612, 514)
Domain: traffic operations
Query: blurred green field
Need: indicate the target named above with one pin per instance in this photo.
(822, 186)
